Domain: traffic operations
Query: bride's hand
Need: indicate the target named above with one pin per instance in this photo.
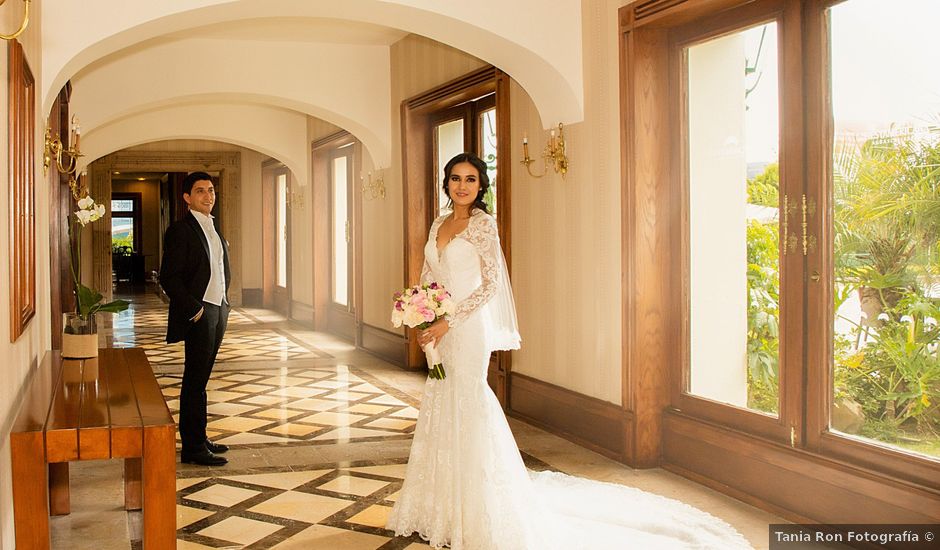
(434, 333)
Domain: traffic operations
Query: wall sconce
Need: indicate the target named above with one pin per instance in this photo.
(554, 154)
(55, 149)
(22, 25)
(373, 189)
(295, 199)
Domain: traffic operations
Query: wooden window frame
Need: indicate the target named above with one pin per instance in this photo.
(22, 200)
(469, 112)
(785, 426)
(896, 462)
(806, 159)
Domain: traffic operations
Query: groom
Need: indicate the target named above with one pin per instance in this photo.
(195, 275)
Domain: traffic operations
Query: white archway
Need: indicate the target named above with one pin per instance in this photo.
(540, 48)
(274, 132)
(336, 83)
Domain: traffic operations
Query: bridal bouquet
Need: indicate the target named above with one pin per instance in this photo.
(418, 307)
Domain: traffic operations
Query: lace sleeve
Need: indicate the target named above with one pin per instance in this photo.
(485, 239)
(425, 273)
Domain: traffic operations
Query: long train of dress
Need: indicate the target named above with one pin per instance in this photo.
(466, 485)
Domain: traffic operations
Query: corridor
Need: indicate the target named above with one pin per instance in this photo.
(319, 435)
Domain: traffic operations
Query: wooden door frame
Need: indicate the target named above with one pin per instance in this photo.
(226, 163)
(417, 171)
(62, 296)
(274, 297)
(327, 315)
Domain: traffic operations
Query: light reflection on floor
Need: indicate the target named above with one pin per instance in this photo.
(319, 441)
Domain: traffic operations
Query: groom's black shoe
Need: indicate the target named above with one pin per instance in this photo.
(203, 457)
(216, 448)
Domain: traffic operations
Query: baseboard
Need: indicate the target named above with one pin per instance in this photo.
(302, 313)
(796, 484)
(587, 421)
(383, 343)
(252, 297)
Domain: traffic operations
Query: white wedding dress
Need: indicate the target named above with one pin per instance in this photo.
(466, 485)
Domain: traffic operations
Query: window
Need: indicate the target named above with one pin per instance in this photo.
(809, 249)
(341, 188)
(884, 375)
(281, 182)
(732, 128)
(125, 223)
(739, 197)
(468, 127)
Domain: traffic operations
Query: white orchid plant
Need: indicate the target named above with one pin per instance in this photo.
(87, 300)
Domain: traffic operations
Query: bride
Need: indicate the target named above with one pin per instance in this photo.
(465, 484)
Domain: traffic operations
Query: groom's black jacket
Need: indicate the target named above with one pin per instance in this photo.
(185, 272)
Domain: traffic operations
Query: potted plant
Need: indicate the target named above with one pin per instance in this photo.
(80, 329)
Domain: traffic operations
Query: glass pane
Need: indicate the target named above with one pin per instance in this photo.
(122, 205)
(448, 138)
(488, 154)
(340, 233)
(886, 178)
(734, 282)
(282, 230)
(122, 235)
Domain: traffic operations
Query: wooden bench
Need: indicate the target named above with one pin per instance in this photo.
(106, 407)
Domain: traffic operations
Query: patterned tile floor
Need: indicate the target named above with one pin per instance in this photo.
(319, 435)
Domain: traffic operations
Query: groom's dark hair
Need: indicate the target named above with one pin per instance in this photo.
(484, 178)
(190, 179)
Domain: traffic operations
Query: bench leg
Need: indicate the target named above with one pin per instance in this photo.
(59, 489)
(132, 484)
(159, 487)
(30, 501)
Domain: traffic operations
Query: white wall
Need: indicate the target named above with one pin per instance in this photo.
(566, 247)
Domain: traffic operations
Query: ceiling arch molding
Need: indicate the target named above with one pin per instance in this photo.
(206, 71)
(277, 133)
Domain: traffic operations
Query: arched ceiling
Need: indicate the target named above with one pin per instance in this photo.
(324, 59)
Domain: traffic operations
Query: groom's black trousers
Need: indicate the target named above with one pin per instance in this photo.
(202, 343)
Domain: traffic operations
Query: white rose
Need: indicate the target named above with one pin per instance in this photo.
(397, 317)
(447, 306)
(412, 318)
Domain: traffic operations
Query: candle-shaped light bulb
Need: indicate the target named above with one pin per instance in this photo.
(525, 147)
(76, 131)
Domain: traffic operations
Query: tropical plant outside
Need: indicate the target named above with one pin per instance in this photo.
(886, 216)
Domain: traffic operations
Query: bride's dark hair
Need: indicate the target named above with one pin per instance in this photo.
(484, 179)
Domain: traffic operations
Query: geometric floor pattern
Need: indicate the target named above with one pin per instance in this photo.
(329, 508)
(240, 344)
(318, 444)
(143, 325)
(317, 405)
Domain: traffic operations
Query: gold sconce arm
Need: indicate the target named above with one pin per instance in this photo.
(554, 154)
(373, 189)
(54, 149)
(22, 25)
(295, 199)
